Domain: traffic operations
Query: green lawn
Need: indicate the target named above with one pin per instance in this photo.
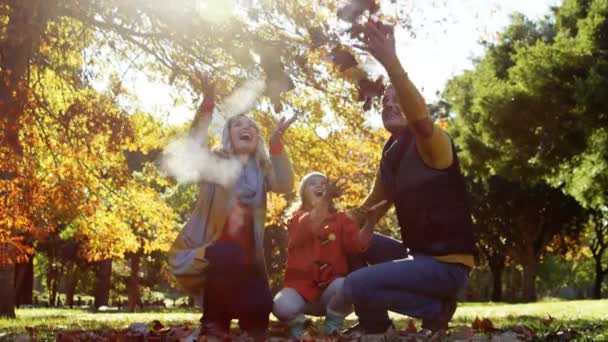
(590, 318)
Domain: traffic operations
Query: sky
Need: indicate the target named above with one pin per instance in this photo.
(447, 38)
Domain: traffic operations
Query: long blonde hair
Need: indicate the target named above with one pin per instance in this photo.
(261, 154)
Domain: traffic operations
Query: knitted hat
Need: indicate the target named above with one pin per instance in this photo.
(305, 180)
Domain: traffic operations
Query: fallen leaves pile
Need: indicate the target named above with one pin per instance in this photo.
(480, 330)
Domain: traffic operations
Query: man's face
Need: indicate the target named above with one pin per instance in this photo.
(392, 117)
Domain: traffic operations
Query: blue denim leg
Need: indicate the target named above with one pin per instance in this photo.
(415, 286)
(382, 249)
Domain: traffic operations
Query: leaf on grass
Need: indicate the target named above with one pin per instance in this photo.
(524, 331)
(476, 325)
(411, 327)
(462, 333)
(487, 325)
(156, 325)
(548, 321)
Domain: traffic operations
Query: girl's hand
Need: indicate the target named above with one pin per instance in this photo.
(334, 189)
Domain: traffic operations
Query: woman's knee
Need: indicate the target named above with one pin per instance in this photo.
(287, 304)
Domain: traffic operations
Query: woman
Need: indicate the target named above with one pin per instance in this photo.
(218, 257)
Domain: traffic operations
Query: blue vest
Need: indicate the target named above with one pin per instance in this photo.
(431, 205)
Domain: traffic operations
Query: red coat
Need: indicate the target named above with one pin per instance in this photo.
(314, 260)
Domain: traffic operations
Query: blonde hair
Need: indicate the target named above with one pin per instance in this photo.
(261, 155)
(301, 204)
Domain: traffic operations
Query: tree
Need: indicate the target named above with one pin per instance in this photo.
(61, 135)
(531, 110)
(534, 220)
(598, 246)
(489, 233)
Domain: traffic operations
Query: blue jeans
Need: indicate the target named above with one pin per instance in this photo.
(414, 285)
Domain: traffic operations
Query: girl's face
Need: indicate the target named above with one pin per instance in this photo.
(243, 135)
(315, 190)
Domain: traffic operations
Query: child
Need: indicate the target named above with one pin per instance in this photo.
(320, 238)
(218, 257)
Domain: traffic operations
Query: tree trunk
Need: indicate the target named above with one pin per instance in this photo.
(7, 286)
(134, 295)
(529, 280)
(600, 273)
(27, 21)
(24, 282)
(102, 286)
(52, 278)
(497, 267)
(497, 273)
(71, 283)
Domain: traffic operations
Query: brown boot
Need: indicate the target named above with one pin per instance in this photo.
(213, 332)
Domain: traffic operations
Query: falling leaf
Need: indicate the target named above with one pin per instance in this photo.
(342, 58)
(355, 8)
(317, 37)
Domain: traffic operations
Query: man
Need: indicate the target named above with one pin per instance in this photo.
(420, 175)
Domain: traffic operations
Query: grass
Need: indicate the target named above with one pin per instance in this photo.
(588, 317)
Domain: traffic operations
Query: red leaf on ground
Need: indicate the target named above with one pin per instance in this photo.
(476, 325)
(548, 320)
(487, 325)
(411, 327)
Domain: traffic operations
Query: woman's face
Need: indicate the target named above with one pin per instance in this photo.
(314, 190)
(243, 135)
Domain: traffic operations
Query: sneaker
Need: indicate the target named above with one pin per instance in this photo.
(445, 316)
(333, 323)
(356, 332)
(297, 327)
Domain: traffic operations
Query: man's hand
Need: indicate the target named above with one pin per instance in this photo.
(379, 40)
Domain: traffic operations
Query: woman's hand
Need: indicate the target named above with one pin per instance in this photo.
(276, 138)
(208, 88)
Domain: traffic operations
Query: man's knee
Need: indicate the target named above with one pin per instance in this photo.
(356, 289)
(287, 304)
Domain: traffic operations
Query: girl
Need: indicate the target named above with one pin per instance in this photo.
(218, 256)
(320, 238)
